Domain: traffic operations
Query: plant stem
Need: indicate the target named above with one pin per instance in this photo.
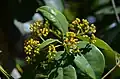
(58, 45)
(114, 7)
(42, 38)
(55, 34)
(109, 72)
(4, 72)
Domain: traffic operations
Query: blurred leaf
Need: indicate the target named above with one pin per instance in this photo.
(107, 10)
(52, 73)
(101, 2)
(98, 3)
(109, 58)
(20, 62)
(63, 73)
(82, 63)
(55, 3)
(69, 72)
(47, 42)
(58, 55)
(116, 73)
(69, 14)
(19, 68)
(95, 58)
(38, 76)
(56, 17)
(60, 73)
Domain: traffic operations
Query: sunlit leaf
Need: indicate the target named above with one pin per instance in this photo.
(95, 58)
(47, 42)
(60, 73)
(69, 72)
(82, 63)
(56, 17)
(58, 55)
(107, 51)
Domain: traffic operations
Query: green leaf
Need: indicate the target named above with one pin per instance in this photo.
(60, 73)
(69, 72)
(20, 62)
(95, 58)
(39, 76)
(56, 73)
(99, 43)
(98, 3)
(107, 51)
(58, 55)
(47, 42)
(82, 63)
(55, 16)
(63, 73)
(69, 14)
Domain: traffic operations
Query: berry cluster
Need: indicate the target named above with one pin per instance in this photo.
(31, 48)
(51, 52)
(83, 28)
(40, 29)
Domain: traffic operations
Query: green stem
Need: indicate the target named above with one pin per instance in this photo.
(67, 49)
(4, 72)
(58, 45)
(42, 38)
(109, 72)
(55, 34)
(78, 32)
(116, 13)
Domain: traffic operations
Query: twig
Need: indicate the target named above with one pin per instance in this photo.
(55, 34)
(109, 72)
(41, 38)
(114, 7)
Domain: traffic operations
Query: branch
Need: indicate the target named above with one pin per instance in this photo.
(109, 72)
(114, 7)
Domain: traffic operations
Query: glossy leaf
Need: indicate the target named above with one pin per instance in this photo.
(99, 43)
(95, 58)
(47, 42)
(108, 52)
(69, 72)
(82, 63)
(55, 16)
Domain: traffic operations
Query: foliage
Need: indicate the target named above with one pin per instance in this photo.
(57, 53)
(59, 50)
